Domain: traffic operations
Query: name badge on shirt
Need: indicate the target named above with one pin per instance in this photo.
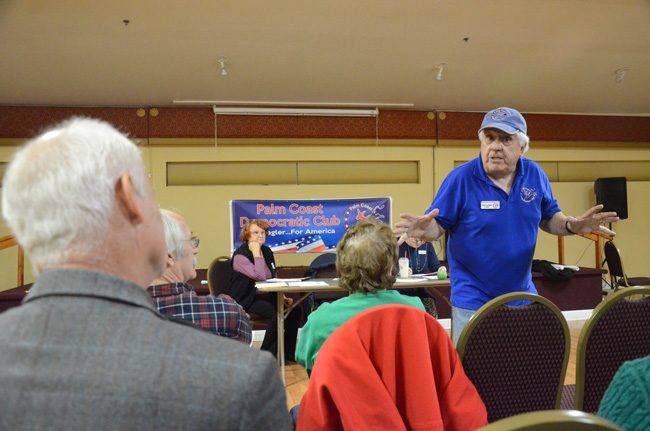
(490, 205)
(272, 265)
(422, 252)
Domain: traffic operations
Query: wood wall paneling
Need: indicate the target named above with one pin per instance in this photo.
(554, 127)
(29, 121)
(201, 122)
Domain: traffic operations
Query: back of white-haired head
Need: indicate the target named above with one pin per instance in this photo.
(522, 138)
(174, 234)
(59, 189)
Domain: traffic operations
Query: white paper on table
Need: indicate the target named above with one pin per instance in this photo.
(271, 284)
(409, 280)
(307, 283)
(285, 280)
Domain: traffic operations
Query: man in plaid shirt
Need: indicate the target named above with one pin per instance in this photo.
(175, 298)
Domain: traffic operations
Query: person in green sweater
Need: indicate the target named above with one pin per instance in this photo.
(627, 399)
(364, 264)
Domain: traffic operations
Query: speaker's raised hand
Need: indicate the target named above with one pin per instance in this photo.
(424, 228)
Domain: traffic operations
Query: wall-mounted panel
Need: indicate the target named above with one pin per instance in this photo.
(589, 171)
(359, 172)
(292, 172)
(230, 173)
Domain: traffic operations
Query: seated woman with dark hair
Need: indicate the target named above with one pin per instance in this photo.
(365, 257)
(252, 262)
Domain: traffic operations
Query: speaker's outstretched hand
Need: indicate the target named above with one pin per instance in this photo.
(591, 221)
(425, 228)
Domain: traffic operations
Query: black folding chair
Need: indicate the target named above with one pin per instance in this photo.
(617, 275)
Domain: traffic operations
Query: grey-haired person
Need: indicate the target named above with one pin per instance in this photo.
(492, 208)
(87, 349)
(175, 297)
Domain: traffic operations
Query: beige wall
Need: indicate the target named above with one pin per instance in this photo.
(207, 210)
(206, 207)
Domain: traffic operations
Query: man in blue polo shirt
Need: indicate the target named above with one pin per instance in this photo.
(492, 207)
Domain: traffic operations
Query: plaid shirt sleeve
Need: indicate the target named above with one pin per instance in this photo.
(218, 314)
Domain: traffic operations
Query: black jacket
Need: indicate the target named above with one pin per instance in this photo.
(242, 288)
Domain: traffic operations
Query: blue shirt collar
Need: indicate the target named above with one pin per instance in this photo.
(479, 172)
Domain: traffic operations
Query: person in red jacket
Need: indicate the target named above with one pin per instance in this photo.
(391, 367)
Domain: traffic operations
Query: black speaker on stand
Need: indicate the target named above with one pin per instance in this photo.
(612, 193)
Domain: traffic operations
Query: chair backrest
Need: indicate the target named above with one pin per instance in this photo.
(391, 367)
(219, 273)
(516, 356)
(323, 266)
(553, 420)
(614, 264)
(616, 332)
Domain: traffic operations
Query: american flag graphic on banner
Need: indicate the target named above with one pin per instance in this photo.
(312, 244)
(286, 246)
(306, 244)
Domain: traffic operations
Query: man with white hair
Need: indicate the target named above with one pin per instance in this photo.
(87, 349)
(492, 207)
(175, 298)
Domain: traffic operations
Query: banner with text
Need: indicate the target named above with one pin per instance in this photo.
(306, 226)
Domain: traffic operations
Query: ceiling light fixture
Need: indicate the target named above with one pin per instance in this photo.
(318, 112)
(222, 64)
(439, 68)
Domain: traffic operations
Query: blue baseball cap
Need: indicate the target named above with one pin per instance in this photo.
(506, 119)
